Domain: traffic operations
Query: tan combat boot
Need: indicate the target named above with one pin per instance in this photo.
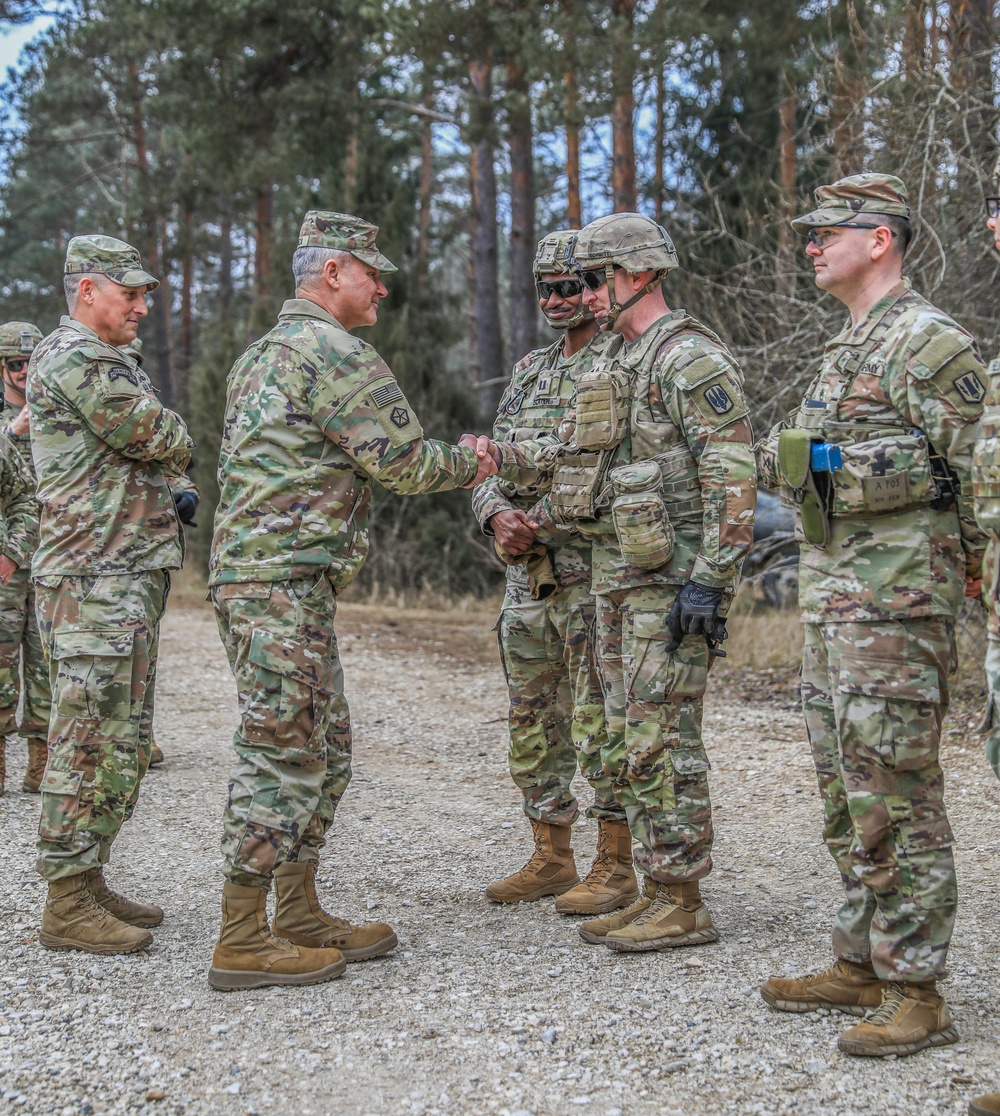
(845, 986)
(73, 919)
(299, 917)
(912, 1017)
(550, 871)
(155, 753)
(610, 883)
(988, 1105)
(125, 910)
(248, 955)
(676, 917)
(597, 929)
(38, 754)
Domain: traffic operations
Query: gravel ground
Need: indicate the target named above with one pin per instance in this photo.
(481, 1009)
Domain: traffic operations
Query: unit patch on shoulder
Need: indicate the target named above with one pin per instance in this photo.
(394, 414)
(120, 372)
(400, 416)
(718, 399)
(970, 387)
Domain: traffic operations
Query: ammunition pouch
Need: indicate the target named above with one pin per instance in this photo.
(602, 409)
(579, 485)
(640, 517)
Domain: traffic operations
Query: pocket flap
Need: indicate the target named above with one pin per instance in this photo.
(65, 783)
(650, 625)
(689, 761)
(878, 679)
(298, 661)
(113, 644)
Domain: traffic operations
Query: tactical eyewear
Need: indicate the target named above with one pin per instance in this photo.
(564, 288)
(993, 207)
(16, 364)
(596, 278)
(819, 238)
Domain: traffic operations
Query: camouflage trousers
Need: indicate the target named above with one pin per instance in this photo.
(990, 724)
(654, 700)
(293, 744)
(23, 669)
(556, 717)
(101, 636)
(874, 696)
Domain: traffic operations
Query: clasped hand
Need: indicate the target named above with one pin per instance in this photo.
(488, 454)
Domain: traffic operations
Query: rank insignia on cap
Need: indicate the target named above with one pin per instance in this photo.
(970, 388)
(400, 416)
(718, 399)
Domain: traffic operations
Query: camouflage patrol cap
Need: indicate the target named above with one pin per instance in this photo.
(104, 255)
(878, 194)
(18, 339)
(553, 256)
(633, 242)
(324, 229)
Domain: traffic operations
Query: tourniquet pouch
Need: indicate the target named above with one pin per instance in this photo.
(888, 472)
(602, 405)
(794, 448)
(577, 483)
(644, 533)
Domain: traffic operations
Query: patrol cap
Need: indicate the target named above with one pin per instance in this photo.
(325, 229)
(553, 256)
(104, 255)
(844, 200)
(18, 339)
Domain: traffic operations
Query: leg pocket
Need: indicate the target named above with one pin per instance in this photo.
(93, 675)
(62, 810)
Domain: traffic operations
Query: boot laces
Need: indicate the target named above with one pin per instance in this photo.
(893, 999)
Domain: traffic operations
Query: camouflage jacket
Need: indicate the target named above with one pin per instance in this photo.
(18, 507)
(687, 412)
(22, 444)
(986, 494)
(536, 401)
(103, 447)
(923, 376)
(313, 417)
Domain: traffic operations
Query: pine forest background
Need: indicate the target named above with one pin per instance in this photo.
(201, 130)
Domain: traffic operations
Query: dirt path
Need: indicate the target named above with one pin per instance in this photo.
(481, 1010)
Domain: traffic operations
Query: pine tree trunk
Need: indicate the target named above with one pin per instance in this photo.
(623, 106)
(426, 180)
(659, 146)
(523, 305)
(263, 255)
(574, 208)
(848, 97)
(914, 39)
(786, 174)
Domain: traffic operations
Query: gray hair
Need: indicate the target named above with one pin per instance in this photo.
(71, 286)
(307, 263)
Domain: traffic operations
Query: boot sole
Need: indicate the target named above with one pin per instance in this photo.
(231, 980)
(27, 789)
(564, 908)
(901, 1049)
(377, 949)
(533, 896)
(50, 941)
(811, 1005)
(696, 937)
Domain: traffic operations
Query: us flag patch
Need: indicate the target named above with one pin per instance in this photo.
(385, 394)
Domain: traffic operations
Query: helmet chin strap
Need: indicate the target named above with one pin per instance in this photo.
(617, 307)
(582, 315)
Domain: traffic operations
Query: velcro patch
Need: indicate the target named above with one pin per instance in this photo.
(719, 402)
(386, 393)
(394, 414)
(119, 381)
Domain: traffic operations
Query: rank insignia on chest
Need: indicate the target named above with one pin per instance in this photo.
(718, 399)
(970, 388)
(119, 372)
(400, 416)
(514, 404)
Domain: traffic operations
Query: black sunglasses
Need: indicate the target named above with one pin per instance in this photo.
(818, 238)
(16, 364)
(564, 288)
(597, 277)
(993, 207)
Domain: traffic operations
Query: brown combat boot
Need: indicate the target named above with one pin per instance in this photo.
(125, 910)
(845, 986)
(988, 1105)
(73, 919)
(610, 883)
(299, 917)
(912, 1017)
(38, 754)
(550, 871)
(248, 955)
(155, 754)
(597, 929)
(676, 917)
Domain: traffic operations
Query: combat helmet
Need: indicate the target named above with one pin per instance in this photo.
(630, 241)
(18, 339)
(553, 257)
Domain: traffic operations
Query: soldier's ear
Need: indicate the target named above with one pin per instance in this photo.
(332, 273)
(87, 288)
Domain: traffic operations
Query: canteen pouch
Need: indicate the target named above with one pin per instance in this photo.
(794, 452)
(640, 517)
(885, 474)
(602, 406)
(577, 483)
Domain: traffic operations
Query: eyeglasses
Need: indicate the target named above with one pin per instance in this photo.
(597, 277)
(819, 239)
(16, 365)
(993, 207)
(564, 288)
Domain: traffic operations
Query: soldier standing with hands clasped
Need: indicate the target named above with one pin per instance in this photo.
(878, 458)
(313, 418)
(103, 446)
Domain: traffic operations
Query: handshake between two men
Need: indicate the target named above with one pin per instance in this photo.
(513, 529)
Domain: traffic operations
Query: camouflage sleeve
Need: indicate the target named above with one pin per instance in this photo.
(942, 394)
(183, 483)
(712, 413)
(766, 451)
(119, 410)
(488, 498)
(19, 521)
(378, 429)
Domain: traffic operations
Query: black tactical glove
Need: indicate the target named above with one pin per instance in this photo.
(186, 504)
(696, 612)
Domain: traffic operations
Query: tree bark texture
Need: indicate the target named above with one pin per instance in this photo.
(623, 106)
(523, 304)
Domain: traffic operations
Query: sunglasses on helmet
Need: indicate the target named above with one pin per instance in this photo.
(564, 288)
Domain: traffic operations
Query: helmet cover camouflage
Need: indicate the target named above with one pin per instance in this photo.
(628, 240)
(18, 339)
(134, 350)
(553, 256)
(844, 200)
(325, 229)
(104, 255)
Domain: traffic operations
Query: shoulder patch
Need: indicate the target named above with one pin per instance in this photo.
(719, 401)
(701, 367)
(933, 349)
(394, 413)
(119, 381)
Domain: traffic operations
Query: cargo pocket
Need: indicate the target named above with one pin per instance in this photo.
(94, 675)
(657, 675)
(63, 812)
(289, 698)
(920, 854)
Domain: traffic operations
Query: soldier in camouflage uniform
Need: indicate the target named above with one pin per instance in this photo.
(103, 447)
(556, 703)
(878, 458)
(313, 417)
(23, 669)
(659, 473)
